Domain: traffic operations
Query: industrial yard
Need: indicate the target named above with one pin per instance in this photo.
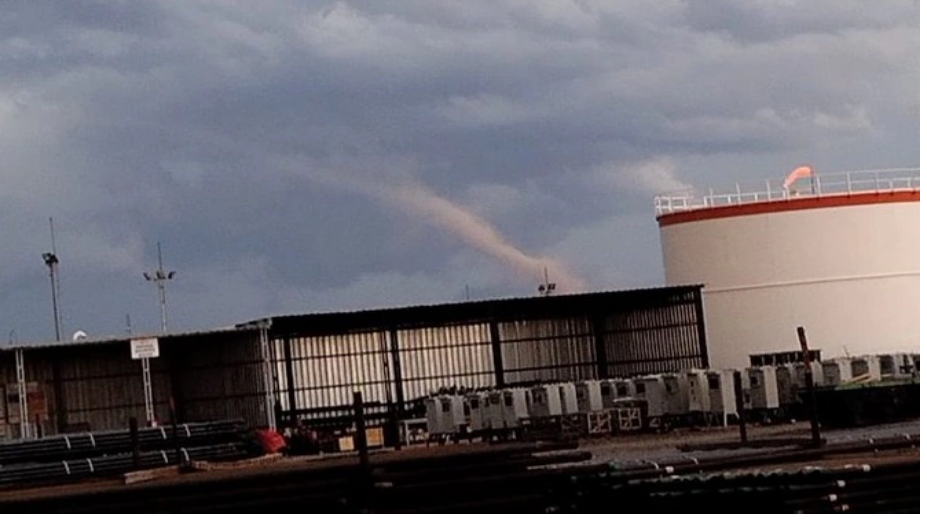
(544, 476)
(556, 403)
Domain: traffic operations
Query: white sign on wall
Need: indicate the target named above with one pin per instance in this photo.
(145, 348)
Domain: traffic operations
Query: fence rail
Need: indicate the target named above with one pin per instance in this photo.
(828, 184)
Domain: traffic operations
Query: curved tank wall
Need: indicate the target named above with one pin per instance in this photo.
(844, 266)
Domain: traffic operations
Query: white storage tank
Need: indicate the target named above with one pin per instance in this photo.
(515, 405)
(545, 401)
(589, 396)
(838, 254)
(837, 371)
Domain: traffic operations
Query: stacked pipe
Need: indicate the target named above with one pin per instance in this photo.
(521, 478)
(511, 477)
(891, 487)
(79, 456)
(83, 445)
(108, 465)
(709, 484)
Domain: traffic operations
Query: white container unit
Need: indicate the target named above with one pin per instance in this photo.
(515, 406)
(761, 393)
(676, 400)
(433, 415)
(545, 401)
(494, 410)
(817, 373)
(896, 365)
(837, 371)
(698, 396)
(589, 396)
(624, 388)
(607, 392)
(569, 403)
(721, 394)
(651, 389)
(865, 369)
(788, 384)
(453, 413)
(445, 414)
(476, 405)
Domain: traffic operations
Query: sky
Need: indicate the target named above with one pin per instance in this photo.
(297, 157)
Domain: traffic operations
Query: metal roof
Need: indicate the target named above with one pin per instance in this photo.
(102, 341)
(536, 307)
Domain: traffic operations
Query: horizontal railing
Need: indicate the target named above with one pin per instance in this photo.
(829, 184)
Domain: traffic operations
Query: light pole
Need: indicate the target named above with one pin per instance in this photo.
(160, 277)
(547, 287)
(51, 261)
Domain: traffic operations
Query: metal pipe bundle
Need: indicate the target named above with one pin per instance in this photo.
(84, 445)
(108, 465)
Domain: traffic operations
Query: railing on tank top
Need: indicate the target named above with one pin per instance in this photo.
(821, 185)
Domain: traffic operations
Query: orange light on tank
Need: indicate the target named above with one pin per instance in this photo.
(797, 173)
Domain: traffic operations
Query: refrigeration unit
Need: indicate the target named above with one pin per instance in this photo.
(589, 396)
(545, 401)
(837, 371)
(515, 407)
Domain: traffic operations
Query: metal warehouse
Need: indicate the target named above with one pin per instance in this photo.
(305, 368)
(396, 356)
(95, 385)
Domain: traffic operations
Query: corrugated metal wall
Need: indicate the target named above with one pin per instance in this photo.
(213, 376)
(547, 350)
(434, 357)
(654, 340)
(217, 377)
(394, 359)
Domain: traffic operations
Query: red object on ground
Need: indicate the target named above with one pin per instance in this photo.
(271, 441)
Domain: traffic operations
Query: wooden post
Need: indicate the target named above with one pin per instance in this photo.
(180, 461)
(739, 398)
(809, 386)
(360, 439)
(133, 434)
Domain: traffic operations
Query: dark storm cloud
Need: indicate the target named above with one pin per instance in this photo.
(237, 134)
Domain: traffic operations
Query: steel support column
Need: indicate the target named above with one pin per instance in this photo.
(497, 362)
(290, 382)
(700, 322)
(397, 370)
(601, 359)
